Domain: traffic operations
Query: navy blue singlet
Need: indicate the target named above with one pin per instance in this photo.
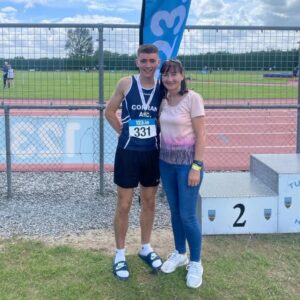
(134, 109)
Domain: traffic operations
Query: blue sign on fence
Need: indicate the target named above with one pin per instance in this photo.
(62, 139)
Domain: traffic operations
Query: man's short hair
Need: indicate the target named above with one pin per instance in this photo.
(147, 48)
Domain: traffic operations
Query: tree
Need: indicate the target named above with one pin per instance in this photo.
(79, 43)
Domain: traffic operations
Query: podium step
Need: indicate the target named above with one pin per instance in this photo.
(237, 203)
(268, 167)
(264, 200)
(233, 184)
(281, 172)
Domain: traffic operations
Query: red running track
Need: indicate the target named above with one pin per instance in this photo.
(233, 135)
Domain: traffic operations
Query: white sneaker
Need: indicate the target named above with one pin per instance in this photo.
(174, 260)
(194, 275)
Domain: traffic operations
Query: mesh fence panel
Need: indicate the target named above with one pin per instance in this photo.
(66, 64)
(230, 66)
(47, 69)
(2, 138)
(54, 139)
(3, 182)
(51, 139)
(233, 135)
(225, 65)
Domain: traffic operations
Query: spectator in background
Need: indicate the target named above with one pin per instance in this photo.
(5, 70)
(10, 76)
(296, 71)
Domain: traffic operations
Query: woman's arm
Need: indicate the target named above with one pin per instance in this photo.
(199, 129)
(198, 124)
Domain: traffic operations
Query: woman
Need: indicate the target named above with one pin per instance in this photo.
(181, 166)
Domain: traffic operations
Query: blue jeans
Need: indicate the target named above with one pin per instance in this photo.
(182, 200)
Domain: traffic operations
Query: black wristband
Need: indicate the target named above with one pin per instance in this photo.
(198, 162)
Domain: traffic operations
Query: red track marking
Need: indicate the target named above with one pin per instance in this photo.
(53, 112)
(50, 102)
(237, 159)
(253, 128)
(233, 135)
(251, 101)
(79, 102)
(250, 139)
(248, 120)
(249, 112)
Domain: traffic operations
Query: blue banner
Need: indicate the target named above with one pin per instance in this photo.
(162, 24)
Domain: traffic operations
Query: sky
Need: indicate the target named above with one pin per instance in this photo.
(202, 12)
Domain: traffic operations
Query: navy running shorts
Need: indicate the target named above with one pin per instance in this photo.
(134, 167)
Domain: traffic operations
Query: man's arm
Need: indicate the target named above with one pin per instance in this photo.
(114, 104)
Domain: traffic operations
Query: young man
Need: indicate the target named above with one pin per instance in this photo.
(136, 160)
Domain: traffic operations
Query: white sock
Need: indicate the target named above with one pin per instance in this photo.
(146, 249)
(120, 255)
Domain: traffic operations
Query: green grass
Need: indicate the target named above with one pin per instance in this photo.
(84, 85)
(235, 267)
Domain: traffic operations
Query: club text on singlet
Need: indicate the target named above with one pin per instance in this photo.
(139, 117)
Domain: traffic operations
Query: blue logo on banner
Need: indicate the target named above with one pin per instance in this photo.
(163, 24)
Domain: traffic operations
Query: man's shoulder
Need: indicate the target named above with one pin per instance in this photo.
(126, 78)
(125, 82)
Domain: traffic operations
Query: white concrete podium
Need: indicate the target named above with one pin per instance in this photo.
(264, 200)
(282, 174)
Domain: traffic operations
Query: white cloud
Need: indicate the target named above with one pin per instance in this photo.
(92, 19)
(285, 14)
(30, 3)
(93, 5)
(242, 12)
(115, 6)
(8, 10)
(202, 12)
(7, 15)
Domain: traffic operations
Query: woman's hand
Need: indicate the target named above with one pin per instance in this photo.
(194, 178)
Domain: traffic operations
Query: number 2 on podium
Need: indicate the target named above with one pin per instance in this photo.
(242, 210)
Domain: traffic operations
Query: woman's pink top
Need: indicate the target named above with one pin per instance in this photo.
(177, 141)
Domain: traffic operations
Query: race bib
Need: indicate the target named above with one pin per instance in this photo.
(142, 128)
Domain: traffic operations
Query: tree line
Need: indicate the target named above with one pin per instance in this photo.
(263, 60)
(81, 56)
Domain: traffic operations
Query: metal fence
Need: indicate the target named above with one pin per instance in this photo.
(64, 73)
